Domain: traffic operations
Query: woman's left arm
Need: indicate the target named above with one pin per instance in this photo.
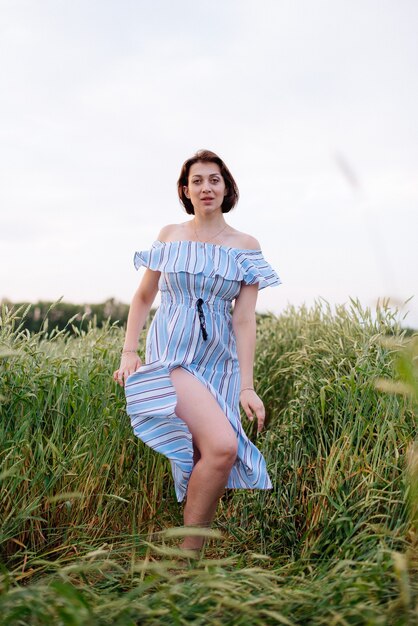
(244, 326)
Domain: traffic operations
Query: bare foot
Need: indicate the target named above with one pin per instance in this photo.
(192, 553)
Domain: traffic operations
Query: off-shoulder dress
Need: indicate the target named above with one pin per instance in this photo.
(192, 328)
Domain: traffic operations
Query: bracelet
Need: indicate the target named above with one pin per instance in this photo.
(245, 389)
(126, 351)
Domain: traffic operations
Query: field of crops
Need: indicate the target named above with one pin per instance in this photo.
(89, 520)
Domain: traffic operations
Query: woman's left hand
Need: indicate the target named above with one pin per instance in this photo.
(252, 404)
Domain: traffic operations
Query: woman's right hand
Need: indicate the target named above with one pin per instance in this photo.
(129, 363)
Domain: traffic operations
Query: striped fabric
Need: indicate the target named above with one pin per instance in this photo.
(190, 272)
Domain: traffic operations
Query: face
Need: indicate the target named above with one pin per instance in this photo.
(206, 187)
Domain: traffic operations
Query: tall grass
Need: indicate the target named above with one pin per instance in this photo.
(84, 504)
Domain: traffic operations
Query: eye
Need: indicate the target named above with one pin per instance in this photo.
(215, 180)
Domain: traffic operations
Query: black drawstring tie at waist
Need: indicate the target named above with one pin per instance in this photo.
(202, 319)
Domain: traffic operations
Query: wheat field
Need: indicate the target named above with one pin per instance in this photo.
(89, 520)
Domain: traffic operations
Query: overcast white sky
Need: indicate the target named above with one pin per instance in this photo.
(312, 105)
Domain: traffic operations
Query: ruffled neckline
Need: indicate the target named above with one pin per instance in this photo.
(209, 259)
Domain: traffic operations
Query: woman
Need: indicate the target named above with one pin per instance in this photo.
(184, 401)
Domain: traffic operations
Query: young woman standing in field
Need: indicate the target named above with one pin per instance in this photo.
(184, 400)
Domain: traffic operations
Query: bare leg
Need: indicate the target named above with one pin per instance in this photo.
(214, 439)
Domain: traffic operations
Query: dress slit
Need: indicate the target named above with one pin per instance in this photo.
(205, 385)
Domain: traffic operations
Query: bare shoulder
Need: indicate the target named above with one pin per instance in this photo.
(251, 243)
(245, 241)
(168, 232)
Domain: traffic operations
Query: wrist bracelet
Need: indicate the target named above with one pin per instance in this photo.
(245, 389)
(126, 351)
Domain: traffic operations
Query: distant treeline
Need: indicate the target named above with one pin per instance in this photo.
(79, 317)
(60, 314)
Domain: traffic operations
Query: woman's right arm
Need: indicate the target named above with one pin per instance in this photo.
(138, 313)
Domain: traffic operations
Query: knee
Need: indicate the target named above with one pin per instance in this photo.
(225, 455)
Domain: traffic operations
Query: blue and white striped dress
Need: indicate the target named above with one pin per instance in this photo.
(192, 328)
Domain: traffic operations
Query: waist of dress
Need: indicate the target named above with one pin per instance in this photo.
(212, 303)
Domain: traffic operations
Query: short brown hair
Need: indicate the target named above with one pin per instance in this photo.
(206, 156)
